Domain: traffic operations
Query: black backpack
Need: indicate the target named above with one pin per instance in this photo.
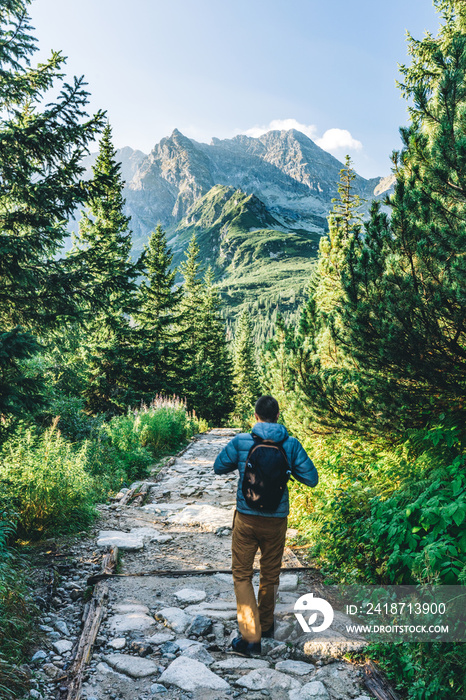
(266, 474)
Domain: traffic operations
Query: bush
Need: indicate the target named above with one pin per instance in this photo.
(424, 671)
(127, 446)
(73, 422)
(166, 424)
(47, 482)
(389, 514)
(116, 456)
(17, 617)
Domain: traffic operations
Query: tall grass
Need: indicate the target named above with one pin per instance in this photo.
(17, 617)
(53, 483)
(49, 484)
(46, 480)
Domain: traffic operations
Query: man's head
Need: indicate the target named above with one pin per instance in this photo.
(266, 409)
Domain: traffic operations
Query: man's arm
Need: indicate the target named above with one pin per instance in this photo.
(227, 460)
(302, 467)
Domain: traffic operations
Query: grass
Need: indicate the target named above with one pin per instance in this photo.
(49, 485)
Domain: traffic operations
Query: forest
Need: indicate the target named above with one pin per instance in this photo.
(106, 364)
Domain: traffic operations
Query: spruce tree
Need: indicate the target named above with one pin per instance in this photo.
(157, 318)
(206, 361)
(246, 381)
(213, 398)
(189, 322)
(104, 244)
(41, 145)
(308, 367)
(405, 320)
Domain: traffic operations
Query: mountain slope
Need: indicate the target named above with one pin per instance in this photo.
(254, 262)
(287, 171)
(258, 207)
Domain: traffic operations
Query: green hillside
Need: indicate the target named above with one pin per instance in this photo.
(255, 263)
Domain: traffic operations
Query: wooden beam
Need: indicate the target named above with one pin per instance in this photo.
(376, 683)
(95, 613)
(141, 496)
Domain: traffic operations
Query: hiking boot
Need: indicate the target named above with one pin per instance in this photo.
(245, 648)
(268, 634)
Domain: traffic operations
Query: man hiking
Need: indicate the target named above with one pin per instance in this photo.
(265, 458)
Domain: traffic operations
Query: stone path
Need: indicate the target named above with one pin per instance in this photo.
(170, 636)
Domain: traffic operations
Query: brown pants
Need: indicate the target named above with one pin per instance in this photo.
(250, 533)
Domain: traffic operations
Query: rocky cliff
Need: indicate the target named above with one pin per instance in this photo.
(294, 178)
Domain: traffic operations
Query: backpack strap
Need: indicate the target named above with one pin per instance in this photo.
(275, 442)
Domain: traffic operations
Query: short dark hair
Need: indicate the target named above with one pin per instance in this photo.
(267, 409)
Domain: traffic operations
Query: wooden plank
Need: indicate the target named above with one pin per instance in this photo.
(95, 613)
(290, 560)
(141, 496)
(376, 683)
(128, 496)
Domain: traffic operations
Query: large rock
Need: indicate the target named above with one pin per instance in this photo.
(176, 618)
(118, 643)
(191, 675)
(199, 653)
(128, 541)
(130, 608)
(133, 619)
(150, 534)
(341, 681)
(190, 595)
(200, 626)
(237, 663)
(298, 668)
(62, 646)
(315, 690)
(327, 645)
(266, 679)
(288, 582)
(132, 666)
(161, 637)
(209, 518)
(220, 610)
(163, 508)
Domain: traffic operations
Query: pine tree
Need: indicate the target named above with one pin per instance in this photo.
(40, 185)
(309, 368)
(206, 361)
(405, 319)
(189, 322)
(246, 381)
(213, 372)
(104, 243)
(157, 318)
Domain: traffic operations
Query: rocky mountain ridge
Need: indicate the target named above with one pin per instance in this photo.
(294, 178)
(258, 207)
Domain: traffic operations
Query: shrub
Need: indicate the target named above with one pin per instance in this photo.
(46, 479)
(116, 456)
(389, 514)
(166, 424)
(127, 446)
(17, 617)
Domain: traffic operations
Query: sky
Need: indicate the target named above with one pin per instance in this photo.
(216, 68)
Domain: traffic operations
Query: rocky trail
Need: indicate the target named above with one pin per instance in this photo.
(169, 636)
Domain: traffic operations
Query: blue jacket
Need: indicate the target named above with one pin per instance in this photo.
(234, 456)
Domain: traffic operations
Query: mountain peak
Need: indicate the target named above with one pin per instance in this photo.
(290, 174)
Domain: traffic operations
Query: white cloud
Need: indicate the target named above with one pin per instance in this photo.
(335, 140)
(283, 125)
